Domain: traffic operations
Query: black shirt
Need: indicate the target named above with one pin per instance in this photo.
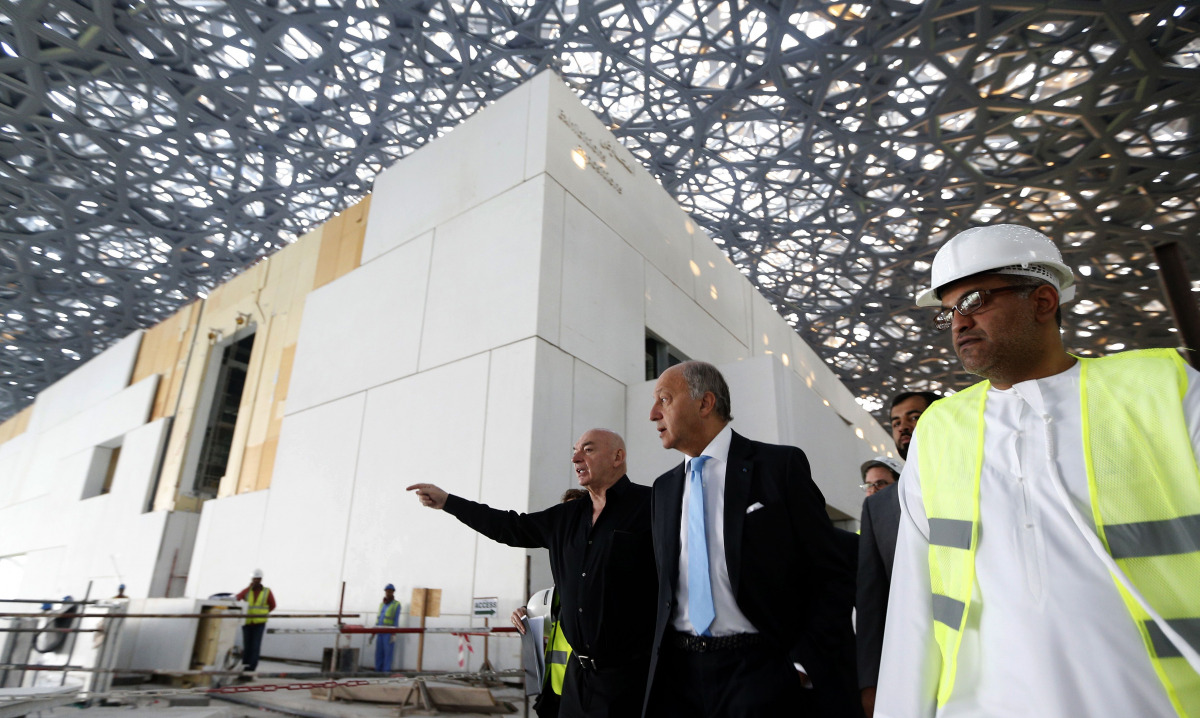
(604, 574)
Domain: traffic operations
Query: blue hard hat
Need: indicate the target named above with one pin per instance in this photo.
(389, 587)
(121, 587)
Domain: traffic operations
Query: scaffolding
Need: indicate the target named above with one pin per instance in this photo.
(61, 626)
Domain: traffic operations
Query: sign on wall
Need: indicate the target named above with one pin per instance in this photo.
(484, 606)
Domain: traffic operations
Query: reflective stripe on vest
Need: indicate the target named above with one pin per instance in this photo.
(1144, 487)
(950, 488)
(258, 608)
(1145, 491)
(387, 614)
(558, 652)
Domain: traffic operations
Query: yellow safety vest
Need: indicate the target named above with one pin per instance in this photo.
(387, 616)
(1144, 487)
(558, 652)
(258, 608)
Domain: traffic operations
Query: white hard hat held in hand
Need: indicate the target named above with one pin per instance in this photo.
(540, 603)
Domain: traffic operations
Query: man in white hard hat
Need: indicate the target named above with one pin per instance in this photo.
(259, 602)
(1050, 541)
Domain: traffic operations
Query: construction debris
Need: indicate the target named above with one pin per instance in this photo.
(419, 694)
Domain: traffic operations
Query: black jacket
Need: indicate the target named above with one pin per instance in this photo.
(792, 576)
(876, 553)
(603, 574)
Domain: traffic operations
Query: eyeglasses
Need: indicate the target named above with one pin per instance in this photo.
(876, 485)
(968, 304)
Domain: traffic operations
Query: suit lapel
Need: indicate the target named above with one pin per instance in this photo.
(738, 473)
(672, 516)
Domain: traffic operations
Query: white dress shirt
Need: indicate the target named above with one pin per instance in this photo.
(729, 619)
(1047, 633)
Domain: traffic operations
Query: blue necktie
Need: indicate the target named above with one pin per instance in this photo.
(700, 601)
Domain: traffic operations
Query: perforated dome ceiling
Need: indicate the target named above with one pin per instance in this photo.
(151, 149)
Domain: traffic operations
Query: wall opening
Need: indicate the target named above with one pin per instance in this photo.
(102, 469)
(224, 383)
(660, 356)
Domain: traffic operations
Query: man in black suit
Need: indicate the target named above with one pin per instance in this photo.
(757, 623)
(877, 545)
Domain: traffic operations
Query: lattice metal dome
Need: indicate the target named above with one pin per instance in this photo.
(150, 149)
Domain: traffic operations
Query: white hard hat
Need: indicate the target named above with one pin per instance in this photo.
(540, 603)
(896, 466)
(257, 573)
(1007, 248)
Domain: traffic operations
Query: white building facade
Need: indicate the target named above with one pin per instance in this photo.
(510, 275)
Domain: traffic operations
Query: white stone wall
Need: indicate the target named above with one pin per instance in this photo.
(500, 310)
(54, 539)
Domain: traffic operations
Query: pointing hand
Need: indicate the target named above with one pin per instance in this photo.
(430, 495)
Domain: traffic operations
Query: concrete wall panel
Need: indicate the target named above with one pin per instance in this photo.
(681, 322)
(363, 329)
(102, 376)
(598, 401)
(722, 290)
(425, 428)
(309, 511)
(483, 281)
(602, 304)
(478, 160)
(588, 161)
(229, 545)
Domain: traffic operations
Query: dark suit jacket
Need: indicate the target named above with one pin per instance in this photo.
(788, 570)
(876, 553)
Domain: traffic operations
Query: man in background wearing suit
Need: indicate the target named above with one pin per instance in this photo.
(753, 587)
(877, 546)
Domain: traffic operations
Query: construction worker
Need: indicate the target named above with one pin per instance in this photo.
(259, 603)
(389, 613)
(1049, 542)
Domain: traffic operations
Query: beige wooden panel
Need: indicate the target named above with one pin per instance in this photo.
(261, 400)
(326, 269)
(271, 294)
(267, 465)
(277, 407)
(353, 231)
(341, 246)
(19, 422)
(251, 459)
(228, 308)
(290, 280)
(164, 351)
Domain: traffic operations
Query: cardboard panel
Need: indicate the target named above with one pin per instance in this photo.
(16, 424)
(164, 351)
